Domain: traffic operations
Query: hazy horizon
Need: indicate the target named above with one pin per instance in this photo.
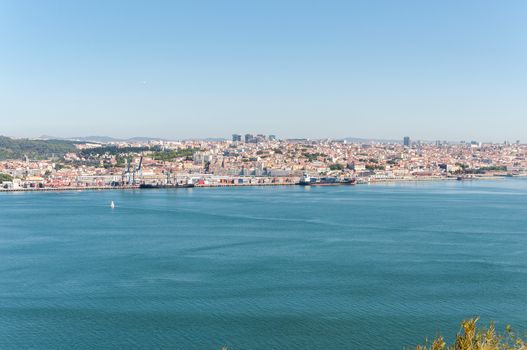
(228, 137)
(299, 69)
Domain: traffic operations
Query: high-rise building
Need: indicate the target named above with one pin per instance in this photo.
(406, 141)
(272, 137)
(236, 138)
(249, 138)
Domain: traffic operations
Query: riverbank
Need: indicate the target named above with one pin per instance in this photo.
(265, 184)
(432, 179)
(69, 188)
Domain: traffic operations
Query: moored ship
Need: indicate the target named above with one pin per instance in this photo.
(325, 181)
(155, 186)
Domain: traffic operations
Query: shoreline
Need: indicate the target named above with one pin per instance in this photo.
(136, 187)
(59, 189)
(479, 178)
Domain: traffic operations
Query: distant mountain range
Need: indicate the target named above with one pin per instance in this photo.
(366, 140)
(108, 139)
(101, 139)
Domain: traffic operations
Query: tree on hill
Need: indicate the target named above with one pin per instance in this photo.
(34, 149)
(5, 177)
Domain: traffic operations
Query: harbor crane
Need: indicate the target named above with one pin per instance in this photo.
(138, 170)
(130, 172)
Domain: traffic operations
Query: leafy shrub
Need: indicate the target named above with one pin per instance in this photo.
(472, 337)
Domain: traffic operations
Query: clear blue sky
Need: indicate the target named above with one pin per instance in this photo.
(448, 69)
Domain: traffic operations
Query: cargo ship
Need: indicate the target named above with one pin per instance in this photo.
(325, 181)
(155, 186)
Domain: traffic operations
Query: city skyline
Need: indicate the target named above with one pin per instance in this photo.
(243, 138)
(450, 70)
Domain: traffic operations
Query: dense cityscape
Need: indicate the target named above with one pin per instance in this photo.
(248, 160)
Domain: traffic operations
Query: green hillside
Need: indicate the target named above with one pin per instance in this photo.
(34, 149)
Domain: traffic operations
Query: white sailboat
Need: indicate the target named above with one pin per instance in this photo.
(112, 205)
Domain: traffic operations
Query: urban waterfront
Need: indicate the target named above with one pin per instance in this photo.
(378, 266)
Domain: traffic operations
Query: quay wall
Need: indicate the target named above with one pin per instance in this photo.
(135, 187)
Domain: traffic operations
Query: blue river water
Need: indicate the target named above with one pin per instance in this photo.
(361, 267)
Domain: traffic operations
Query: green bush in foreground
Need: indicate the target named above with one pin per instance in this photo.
(472, 337)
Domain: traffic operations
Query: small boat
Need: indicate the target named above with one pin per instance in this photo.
(112, 205)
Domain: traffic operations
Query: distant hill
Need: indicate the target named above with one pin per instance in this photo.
(144, 139)
(33, 149)
(208, 139)
(97, 139)
(366, 140)
(102, 139)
